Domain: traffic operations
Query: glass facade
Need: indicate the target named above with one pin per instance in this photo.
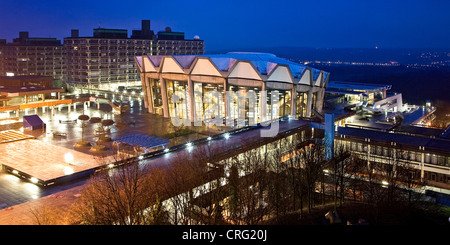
(156, 96)
(247, 111)
(178, 106)
(278, 108)
(208, 100)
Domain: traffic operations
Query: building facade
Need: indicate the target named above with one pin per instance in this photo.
(105, 61)
(31, 56)
(174, 43)
(300, 89)
(429, 156)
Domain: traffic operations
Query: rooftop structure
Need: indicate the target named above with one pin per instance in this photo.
(374, 105)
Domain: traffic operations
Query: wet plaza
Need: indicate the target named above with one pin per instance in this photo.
(46, 153)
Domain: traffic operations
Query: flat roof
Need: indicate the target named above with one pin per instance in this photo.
(20, 91)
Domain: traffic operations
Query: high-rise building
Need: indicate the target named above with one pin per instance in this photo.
(27, 56)
(105, 61)
(174, 43)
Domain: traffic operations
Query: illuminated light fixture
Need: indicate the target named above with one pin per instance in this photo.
(326, 171)
(141, 157)
(384, 183)
(34, 180)
(189, 146)
(15, 172)
(166, 150)
(209, 138)
(110, 165)
(68, 157)
(226, 135)
(10, 74)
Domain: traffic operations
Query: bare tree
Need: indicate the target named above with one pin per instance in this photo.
(123, 196)
(313, 160)
(247, 174)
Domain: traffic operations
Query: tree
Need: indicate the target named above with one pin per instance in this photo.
(313, 160)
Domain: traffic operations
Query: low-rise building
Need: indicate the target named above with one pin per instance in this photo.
(300, 89)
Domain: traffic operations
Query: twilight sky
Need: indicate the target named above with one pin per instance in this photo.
(244, 23)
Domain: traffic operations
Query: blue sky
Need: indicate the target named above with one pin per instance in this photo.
(241, 24)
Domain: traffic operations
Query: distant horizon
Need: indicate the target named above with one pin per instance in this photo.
(237, 24)
(327, 48)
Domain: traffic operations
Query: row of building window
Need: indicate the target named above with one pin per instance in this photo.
(401, 154)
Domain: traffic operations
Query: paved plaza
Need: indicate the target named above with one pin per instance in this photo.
(61, 202)
(43, 161)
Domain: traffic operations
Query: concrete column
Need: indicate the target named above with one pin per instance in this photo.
(35, 110)
(164, 96)
(293, 101)
(144, 89)
(309, 103)
(319, 100)
(17, 113)
(75, 106)
(422, 173)
(263, 102)
(68, 108)
(43, 109)
(149, 94)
